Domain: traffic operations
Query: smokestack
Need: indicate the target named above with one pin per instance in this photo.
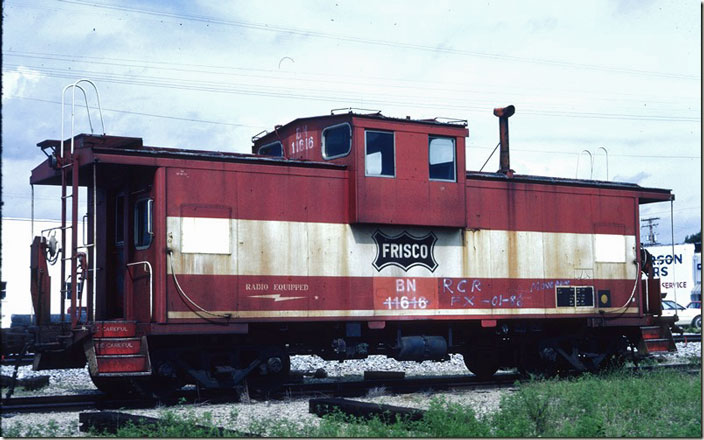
(504, 162)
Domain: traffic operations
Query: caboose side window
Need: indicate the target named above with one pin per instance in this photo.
(143, 223)
(271, 149)
(379, 154)
(337, 141)
(441, 158)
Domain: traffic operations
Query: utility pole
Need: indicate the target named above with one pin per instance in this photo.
(650, 224)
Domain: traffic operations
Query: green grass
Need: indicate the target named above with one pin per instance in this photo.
(656, 404)
(618, 404)
(50, 429)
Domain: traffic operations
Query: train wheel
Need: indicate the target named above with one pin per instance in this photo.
(616, 354)
(273, 370)
(538, 362)
(483, 363)
(165, 379)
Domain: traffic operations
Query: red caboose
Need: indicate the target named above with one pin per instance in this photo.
(343, 236)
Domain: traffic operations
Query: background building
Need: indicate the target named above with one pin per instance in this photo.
(680, 274)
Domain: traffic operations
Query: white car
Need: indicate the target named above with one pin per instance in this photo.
(688, 316)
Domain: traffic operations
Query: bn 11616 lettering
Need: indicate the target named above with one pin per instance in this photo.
(406, 302)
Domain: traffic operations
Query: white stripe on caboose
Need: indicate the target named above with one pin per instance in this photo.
(488, 313)
(206, 246)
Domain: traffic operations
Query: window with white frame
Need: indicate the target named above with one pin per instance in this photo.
(337, 141)
(442, 158)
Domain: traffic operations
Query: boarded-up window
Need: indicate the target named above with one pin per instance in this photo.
(205, 229)
(609, 248)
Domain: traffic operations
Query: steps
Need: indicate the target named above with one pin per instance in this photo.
(118, 351)
(656, 339)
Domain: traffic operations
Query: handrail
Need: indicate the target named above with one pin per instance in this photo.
(73, 104)
(74, 86)
(151, 286)
(606, 155)
(591, 164)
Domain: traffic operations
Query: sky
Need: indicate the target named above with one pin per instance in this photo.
(623, 75)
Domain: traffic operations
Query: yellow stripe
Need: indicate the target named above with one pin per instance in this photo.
(250, 314)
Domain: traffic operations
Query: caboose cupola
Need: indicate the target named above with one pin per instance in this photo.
(401, 171)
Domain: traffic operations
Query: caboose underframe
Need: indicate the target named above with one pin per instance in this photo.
(206, 267)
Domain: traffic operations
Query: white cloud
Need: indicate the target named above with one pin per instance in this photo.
(444, 58)
(17, 83)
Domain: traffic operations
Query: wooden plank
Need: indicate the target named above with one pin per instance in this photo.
(365, 410)
(383, 375)
(110, 421)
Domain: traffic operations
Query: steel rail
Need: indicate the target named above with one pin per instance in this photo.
(314, 388)
(688, 337)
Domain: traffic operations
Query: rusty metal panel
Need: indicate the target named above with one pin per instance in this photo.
(512, 205)
(306, 297)
(40, 283)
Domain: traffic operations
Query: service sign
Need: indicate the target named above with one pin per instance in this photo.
(677, 270)
(404, 250)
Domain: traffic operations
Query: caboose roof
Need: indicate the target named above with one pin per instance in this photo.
(129, 150)
(439, 122)
(647, 195)
(132, 151)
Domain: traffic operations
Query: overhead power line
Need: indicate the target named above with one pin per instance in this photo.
(153, 115)
(321, 95)
(261, 127)
(369, 41)
(318, 77)
(571, 153)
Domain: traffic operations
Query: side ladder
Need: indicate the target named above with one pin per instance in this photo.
(68, 163)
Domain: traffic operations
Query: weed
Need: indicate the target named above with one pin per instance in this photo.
(50, 429)
(376, 392)
(616, 404)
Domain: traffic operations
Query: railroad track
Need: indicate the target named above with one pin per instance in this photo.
(39, 404)
(337, 388)
(12, 359)
(688, 337)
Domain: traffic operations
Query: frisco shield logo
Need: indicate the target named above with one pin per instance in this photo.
(404, 250)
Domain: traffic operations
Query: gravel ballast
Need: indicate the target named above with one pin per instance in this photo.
(241, 416)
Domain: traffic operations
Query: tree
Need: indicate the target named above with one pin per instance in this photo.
(694, 238)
